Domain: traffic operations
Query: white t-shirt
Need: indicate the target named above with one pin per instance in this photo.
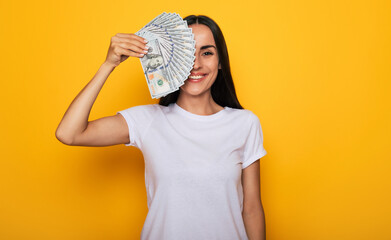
(193, 167)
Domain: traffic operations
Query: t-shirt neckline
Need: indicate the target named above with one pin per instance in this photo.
(186, 113)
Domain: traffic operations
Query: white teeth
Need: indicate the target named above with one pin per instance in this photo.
(196, 77)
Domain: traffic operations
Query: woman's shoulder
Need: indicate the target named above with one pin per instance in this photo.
(245, 119)
(242, 113)
(147, 109)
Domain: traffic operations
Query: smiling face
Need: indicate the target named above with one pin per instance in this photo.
(206, 64)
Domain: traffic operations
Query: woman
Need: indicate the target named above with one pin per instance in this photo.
(201, 148)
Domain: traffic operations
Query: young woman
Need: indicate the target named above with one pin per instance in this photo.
(201, 148)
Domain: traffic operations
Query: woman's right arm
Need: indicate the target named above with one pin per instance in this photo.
(74, 128)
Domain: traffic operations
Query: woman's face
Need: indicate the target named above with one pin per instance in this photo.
(206, 63)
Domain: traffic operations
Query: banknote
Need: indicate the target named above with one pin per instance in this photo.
(155, 72)
(170, 56)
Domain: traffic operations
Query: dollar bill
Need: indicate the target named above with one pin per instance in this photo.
(158, 79)
(170, 57)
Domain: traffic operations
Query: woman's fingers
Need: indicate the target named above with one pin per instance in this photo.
(124, 37)
(131, 41)
(126, 52)
(124, 45)
(132, 35)
(132, 47)
(134, 42)
(119, 50)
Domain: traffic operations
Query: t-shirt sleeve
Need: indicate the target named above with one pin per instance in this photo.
(138, 119)
(253, 149)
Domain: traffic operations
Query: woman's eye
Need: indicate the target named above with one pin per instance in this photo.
(207, 53)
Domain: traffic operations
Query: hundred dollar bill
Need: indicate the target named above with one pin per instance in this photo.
(158, 79)
(170, 58)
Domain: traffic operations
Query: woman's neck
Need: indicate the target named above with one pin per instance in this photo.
(201, 104)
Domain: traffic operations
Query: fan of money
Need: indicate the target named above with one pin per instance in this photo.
(170, 56)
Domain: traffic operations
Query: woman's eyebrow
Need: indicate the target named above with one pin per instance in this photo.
(208, 46)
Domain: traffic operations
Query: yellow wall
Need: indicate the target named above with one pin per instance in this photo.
(317, 74)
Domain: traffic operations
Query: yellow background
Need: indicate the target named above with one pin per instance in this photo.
(316, 73)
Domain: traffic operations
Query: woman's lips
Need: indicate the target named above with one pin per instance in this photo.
(195, 78)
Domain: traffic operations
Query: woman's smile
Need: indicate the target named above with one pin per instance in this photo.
(206, 63)
(197, 77)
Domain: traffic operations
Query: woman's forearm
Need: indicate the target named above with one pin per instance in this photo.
(254, 223)
(75, 119)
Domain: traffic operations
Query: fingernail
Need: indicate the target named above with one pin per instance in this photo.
(145, 40)
(141, 54)
(146, 47)
(145, 51)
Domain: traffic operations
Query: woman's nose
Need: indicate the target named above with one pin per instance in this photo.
(197, 64)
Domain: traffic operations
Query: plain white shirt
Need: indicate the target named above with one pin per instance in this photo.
(193, 167)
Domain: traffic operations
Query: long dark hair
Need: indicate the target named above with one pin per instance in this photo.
(223, 89)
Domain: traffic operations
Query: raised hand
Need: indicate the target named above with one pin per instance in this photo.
(123, 45)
